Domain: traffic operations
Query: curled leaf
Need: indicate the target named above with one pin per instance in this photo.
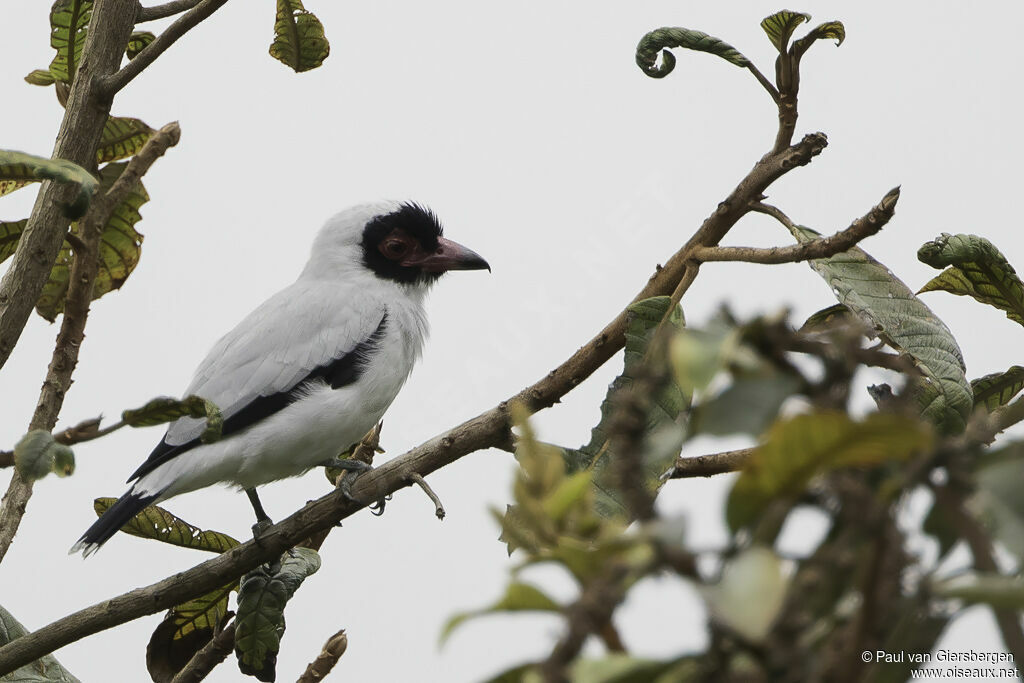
(37, 454)
(663, 38)
(998, 388)
(829, 30)
(976, 269)
(780, 27)
(138, 42)
(21, 167)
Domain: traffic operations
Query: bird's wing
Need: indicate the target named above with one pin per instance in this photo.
(308, 331)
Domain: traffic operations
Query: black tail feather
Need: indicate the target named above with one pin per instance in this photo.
(116, 516)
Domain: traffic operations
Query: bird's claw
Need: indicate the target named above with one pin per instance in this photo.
(358, 467)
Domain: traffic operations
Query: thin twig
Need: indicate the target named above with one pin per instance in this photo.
(168, 9)
(709, 465)
(76, 312)
(821, 247)
(332, 651)
(115, 82)
(422, 483)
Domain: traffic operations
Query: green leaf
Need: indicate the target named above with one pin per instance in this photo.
(642, 318)
(747, 406)
(163, 409)
(40, 77)
(518, 597)
(998, 388)
(867, 288)
(991, 589)
(997, 502)
(138, 42)
(836, 315)
(37, 454)
(829, 30)
(750, 594)
(119, 252)
(156, 523)
(299, 40)
(68, 21)
(122, 137)
(626, 668)
(795, 450)
(662, 38)
(46, 669)
(10, 233)
(26, 168)
(780, 27)
(185, 630)
(976, 269)
(259, 625)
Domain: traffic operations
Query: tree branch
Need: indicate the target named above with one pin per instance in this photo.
(709, 465)
(115, 82)
(821, 247)
(84, 118)
(76, 312)
(211, 655)
(168, 9)
(488, 429)
(332, 651)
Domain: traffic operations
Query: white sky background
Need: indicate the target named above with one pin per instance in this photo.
(543, 147)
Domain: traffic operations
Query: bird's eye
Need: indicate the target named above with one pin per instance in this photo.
(394, 248)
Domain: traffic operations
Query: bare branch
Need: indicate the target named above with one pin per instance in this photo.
(332, 651)
(822, 247)
(115, 82)
(76, 312)
(709, 465)
(168, 9)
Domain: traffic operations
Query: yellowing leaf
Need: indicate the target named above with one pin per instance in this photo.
(780, 27)
(797, 449)
(158, 524)
(122, 137)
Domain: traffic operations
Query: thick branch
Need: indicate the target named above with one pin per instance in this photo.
(710, 465)
(821, 247)
(488, 429)
(76, 312)
(168, 9)
(148, 55)
(84, 117)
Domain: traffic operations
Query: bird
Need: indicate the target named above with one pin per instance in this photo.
(312, 369)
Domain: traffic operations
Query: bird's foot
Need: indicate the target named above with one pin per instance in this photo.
(358, 467)
(260, 527)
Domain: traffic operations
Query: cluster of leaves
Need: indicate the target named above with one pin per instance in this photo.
(805, 617)
(299, 42)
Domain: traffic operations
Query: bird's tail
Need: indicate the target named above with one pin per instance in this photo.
(111, 521)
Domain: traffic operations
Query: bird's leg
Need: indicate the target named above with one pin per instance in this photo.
(345, 483)
(263, 521)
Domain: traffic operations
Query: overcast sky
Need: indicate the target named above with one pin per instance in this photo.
(532, 133)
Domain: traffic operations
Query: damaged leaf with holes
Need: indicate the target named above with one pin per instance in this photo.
(69, 20)
(158, 524)
(122, 138)
(299, 40)
(119, 250)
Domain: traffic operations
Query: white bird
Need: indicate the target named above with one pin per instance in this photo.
(312, 369)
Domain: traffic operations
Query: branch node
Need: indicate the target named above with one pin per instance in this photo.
(416, 478)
